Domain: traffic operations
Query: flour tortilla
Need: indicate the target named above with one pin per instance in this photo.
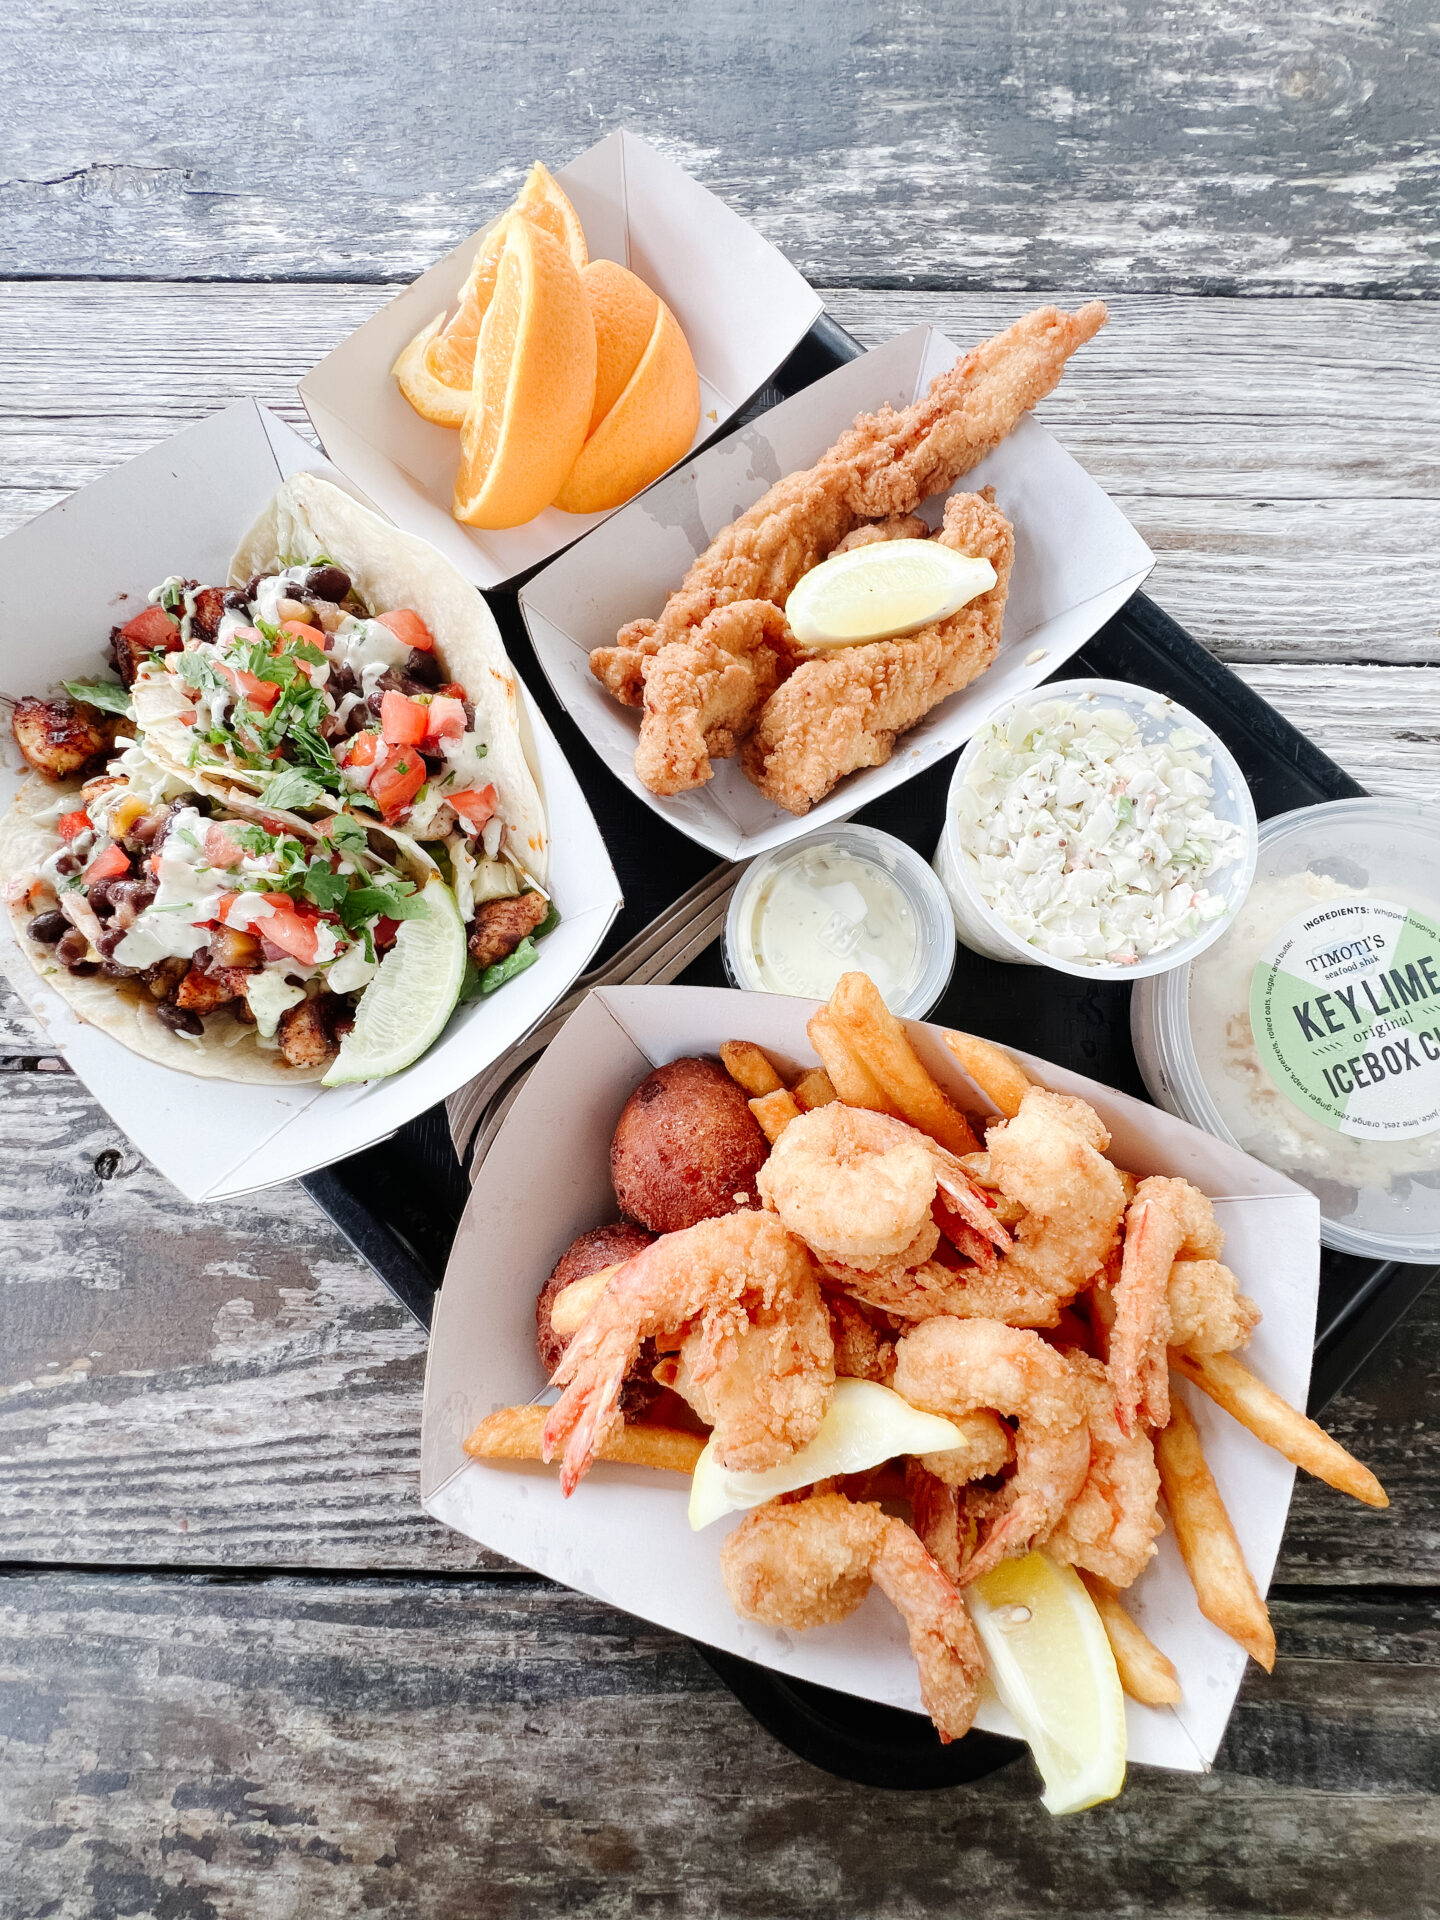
(309, 519)
(230, 1050)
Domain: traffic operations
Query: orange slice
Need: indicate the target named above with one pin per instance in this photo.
(450, 356)
(430, 397)
(624, 309)
(534, 384)
(648, 429)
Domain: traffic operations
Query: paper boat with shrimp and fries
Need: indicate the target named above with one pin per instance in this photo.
(623, 1532)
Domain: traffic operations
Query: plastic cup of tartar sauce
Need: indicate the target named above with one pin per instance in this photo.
(985, 930)
(843, 899)
(1309, 1036)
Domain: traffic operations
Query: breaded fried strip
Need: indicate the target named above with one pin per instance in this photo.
(844, 709)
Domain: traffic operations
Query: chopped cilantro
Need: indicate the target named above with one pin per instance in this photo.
(104, 694)
(398, 901)
(326, 888)
(346, 834)
(290, 788)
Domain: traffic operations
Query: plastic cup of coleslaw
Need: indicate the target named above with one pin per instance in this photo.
(1125, 929)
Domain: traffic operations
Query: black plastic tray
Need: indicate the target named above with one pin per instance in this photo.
(399, 1203)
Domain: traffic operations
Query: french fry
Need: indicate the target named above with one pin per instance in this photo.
(814, 1089)
(775, 1111)
(1232, 1386)
(514, 1434)
(571, 1306)
(1145, 1673)
(993, 1071)
(850, 1077)
(748, 1067)
(1223, 1584)
(870, 1030)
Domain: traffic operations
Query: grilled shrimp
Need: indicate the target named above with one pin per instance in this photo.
(808, 1563)
(1165, 1220)
(744, 1297)
(950, 1367)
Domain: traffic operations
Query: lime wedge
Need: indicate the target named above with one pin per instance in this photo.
(888, 588)
(1051, 1664)
(412, 995)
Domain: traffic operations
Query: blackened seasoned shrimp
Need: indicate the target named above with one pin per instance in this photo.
(809, 1563)
(950, 1367)
(744, 1296)
(1166, 1220)
(1109, 1528)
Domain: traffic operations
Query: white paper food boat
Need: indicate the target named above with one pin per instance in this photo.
(624, 1537)
(69, 576)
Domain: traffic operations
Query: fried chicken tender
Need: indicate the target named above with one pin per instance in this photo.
(879, 471)
(702, 694)
(845, 709)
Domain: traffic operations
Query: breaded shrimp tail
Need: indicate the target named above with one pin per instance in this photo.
(886, 465)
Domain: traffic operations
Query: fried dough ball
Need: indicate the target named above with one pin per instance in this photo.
(687, 1147)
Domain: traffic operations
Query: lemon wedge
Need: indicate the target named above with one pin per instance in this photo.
(864, 1425)
(413, 994)
(1051, 1664)
(882, 590)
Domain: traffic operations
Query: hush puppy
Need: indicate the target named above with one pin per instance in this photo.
(687, 1147)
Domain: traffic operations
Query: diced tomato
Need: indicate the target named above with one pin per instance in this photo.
(260, 693)
(444, 718)
(153, 628)
(407, 626)
(474, 806)
(187, 719)
(395, 784)
(220, 849)
(69, 824)
(289, 928)
(222, 908)
(112, 864)
(384, 933)
(362, 750)
(452, 690)
(296, 631)
(154, 864)
(403, 721)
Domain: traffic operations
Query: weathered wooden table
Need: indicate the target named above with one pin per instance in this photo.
(241, 1674)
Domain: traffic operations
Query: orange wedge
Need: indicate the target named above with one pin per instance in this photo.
(624, 309)
(430, 397)
(648, 428)
(534, 384)
(450, 356)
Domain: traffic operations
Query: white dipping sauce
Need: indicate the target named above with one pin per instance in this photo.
(825, 911)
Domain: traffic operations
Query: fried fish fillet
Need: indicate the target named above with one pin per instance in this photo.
(880, 470)
(843, 709)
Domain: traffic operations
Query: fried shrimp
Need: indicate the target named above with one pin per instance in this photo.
(1109, 1528)
(1208, 1312)
(950, 1367)
(1165, 1220)
(809, 1563)
(743, 1294)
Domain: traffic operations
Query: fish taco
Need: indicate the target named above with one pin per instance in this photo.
(301, 827)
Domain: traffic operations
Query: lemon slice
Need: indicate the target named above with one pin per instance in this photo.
(1051, 1664)
(887, 588)
(864, 1425)
(412, 995)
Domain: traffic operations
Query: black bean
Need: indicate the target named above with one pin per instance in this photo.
(235, 599)
(82, 969)
(136, 893)
(180, 1019)
(425, 668)
(109, 941)
(359, 719)
(47, 928)
(72, 946)
(66, 865)
(342, 680)
(328, 583)
(98, 894)
(113, 970)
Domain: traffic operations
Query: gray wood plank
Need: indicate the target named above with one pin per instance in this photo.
(262, 1750)
(1289, 522)
(1283, 149)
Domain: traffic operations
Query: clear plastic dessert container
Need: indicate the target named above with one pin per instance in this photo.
(983, 930)
(842, 898)
(1310, 1035)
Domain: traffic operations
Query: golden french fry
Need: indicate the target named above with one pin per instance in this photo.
(850, 1077)
(514, 1434)
(571, 1306)
(775, 1111)
(1145, 1673)
(1232, 1386)
(992, 1070)
(1223, 1584)
(748, 1067)
(814, 1089)
(870, 1030)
